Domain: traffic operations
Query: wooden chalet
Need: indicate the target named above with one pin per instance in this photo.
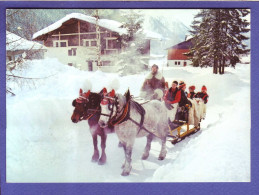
(84, 42)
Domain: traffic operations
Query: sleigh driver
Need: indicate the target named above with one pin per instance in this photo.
(154, 85)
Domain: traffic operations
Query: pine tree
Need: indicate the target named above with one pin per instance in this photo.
(132, 43)
(218, 36)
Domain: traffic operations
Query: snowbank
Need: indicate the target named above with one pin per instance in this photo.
(43, 145)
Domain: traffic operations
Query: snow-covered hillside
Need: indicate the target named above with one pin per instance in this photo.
(43, 145)
(171, 29)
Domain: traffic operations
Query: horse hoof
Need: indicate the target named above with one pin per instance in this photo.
(101, 162)
(161, 158)
(125, 173)
(144, 157)
(95, 158)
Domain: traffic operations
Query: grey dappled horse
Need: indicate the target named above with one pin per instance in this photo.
(155, 123)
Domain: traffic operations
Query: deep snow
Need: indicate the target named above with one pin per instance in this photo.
(43, 145)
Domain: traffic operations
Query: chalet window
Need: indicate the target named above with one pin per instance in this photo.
(112, 44)
(93, 43)
(90, 42)
(175, 63)
(63, 43)
(179, 62)
(72, 52)
(70, 64)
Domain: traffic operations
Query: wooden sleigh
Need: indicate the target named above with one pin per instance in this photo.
(180, 127)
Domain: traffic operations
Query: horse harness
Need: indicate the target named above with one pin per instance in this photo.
(86, 115)
(126, 115)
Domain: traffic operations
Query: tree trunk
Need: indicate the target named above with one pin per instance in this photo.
(223, 66)
(215, 67)
(220, 66)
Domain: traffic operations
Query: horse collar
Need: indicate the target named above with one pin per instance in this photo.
(123, 117)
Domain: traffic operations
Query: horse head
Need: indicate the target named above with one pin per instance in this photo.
(112, 106)
(108, 108)
(86, 105)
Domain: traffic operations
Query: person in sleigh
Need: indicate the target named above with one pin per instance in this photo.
(202, 99)
(191, 93)
(184, 104)
(172, 98)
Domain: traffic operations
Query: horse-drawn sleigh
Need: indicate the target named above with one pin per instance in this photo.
(109, 112)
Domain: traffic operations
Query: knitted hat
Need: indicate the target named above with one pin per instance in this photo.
(203, 88)
(192, 87)
(182, 84)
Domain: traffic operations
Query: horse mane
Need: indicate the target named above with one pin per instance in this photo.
(121, 99)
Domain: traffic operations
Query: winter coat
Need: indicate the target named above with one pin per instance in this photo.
(191, 95)
(153, 82)
(203, 96)
(173, 96)
(184, 99)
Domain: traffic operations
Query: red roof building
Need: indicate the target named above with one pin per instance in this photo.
(176, 57)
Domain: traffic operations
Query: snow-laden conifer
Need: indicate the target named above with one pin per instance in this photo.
(133, 43)
(218, 37)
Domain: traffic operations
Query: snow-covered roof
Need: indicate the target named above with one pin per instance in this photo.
(15, 42)
(187, 37)
(105, 23)
(183, 45)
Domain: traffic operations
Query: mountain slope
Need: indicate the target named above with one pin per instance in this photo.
(172, 29)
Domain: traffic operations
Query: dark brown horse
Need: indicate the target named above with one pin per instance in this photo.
(87, 107)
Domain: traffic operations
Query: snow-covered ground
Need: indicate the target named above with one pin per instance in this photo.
(43, 145)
